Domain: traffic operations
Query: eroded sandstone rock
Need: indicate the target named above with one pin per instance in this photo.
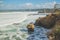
(47, 21)
(55, 33)
(30, 27)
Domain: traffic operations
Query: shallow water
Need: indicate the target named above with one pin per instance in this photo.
(19, 31)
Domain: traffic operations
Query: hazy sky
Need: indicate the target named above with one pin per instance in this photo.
(27, 4)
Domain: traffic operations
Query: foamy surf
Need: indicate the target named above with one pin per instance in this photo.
(21, 32)
(10, 18)
(14, 21)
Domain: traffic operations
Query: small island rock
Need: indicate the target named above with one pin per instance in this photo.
(30, 27)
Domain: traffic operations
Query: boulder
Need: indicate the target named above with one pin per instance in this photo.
(30, 27)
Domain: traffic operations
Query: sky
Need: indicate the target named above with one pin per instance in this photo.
(26, 4)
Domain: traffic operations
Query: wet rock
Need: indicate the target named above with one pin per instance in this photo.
(30, 27)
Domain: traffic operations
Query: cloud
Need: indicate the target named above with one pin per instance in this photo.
(38, 6)
(8, 6)
(28, 6)
(1, 5)
(18, 6)
(1, 1)
(45, 5)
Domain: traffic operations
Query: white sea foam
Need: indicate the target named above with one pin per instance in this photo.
(11, 17)
(22, 33)
(8, 18)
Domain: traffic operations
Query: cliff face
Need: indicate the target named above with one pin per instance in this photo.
(47, 21)
(55, 33)
(51, 21)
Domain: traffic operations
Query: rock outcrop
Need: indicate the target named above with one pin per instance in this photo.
(47, 21)
(50, 21)
(55, 33)
(30, 27)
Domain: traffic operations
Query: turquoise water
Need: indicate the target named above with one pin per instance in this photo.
(20, 32)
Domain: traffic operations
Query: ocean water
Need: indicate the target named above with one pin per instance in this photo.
(13, 26)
